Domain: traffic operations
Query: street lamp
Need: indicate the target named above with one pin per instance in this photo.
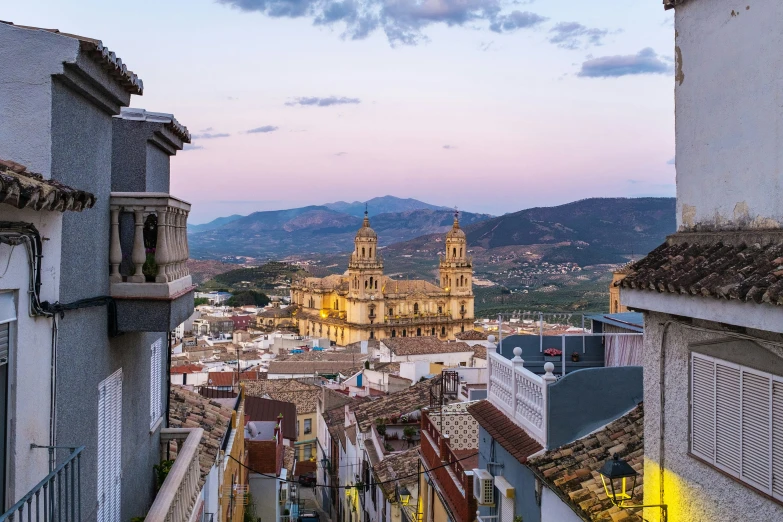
(405, 496)
(617, 473)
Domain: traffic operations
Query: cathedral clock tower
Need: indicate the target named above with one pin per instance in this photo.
(365, 270)
(456, 273)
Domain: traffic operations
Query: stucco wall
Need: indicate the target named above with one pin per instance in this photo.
(553, 509)
(727, 94)
(518, 475)
(30, 354)
(693, 491)
(585, 400)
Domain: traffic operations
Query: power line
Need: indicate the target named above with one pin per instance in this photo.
(417, 474)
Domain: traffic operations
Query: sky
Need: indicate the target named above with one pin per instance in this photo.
(487, 105)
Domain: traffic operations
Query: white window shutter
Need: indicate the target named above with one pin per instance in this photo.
(156, 406)
(703, 407)
(110, 447)
(756, 436)
(506, 509)
(777, 438)
(727, 417)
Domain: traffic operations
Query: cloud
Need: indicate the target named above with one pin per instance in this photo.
(206, 135)
(323, 102)
(263, 130)
(671, 161)
(516, 20)
(190, 146)
(402, 21)
(645, 61)
(449, 147)
(573, 35)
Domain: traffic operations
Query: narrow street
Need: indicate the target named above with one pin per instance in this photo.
(307, 501)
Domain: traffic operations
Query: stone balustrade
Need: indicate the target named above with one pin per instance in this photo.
(149, 245)
(177, 497)
(520, 393)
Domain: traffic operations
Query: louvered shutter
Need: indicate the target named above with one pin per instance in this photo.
(7, 316)
(110, 447)
(5, 334)
(777, 438)
(156, 407)
(756, 436)
(703, 407)
(727, 417)
(506, 509)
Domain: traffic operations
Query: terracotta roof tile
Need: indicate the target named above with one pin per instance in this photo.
(230, 378)
(303, 395)
(480, 352)
(514, 439)
(742, 266)
(572, 470)
(423, 345)
(190, 410)
(472, 335)
(403, 466)
(309, 367)
(24, 189)
(394, 404)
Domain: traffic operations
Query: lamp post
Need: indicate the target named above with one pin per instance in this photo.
(616, 473)
(405, 496)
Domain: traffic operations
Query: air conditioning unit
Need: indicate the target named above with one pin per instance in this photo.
(483, 487)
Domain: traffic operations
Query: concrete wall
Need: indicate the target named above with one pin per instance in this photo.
(727, 94)
(583, 401)
(693, 491)
(518, 475)
(553, 509)
(264, 491)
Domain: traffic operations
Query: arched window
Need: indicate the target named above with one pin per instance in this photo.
(460, 252)
(462, 308)
(372, 334)
(336, 304)
(433, 332)
(462, 328)
(394, 333)
(371, 283)
(370, 252)
(376, 284)
(442, 331)
(440, 311)
(362, 251)
(391, 311)
(454, 253)
(416, 308)
(418, 332)
(365, 284)
(404, 333)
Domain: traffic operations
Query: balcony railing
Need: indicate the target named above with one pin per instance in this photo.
(487, 518)
(520, 393)
(178, 494)
(149, 245)
(58, 497)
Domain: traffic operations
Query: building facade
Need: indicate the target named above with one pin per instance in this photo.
(365, 304)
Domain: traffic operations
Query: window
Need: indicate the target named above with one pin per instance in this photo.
(394, 332)
(737, 421)
(442, 331)
(7, 324)
(440, 310)
(297, 428)
(415, 308)
(110, 447)
(391, 311)
(156, 384)
(418, 332)
(308, 452)
(308, 426)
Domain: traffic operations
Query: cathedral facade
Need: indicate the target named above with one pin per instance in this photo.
(364, 304)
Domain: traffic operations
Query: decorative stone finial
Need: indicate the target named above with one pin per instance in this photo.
(517, 352)
(549, 368)
(491, 338)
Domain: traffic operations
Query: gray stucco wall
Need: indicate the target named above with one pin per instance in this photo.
(81, 157)
(138, 164)
(585, 400)
(518, 475)
(693, 490)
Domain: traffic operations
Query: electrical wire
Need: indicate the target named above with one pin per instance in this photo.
(417, 474)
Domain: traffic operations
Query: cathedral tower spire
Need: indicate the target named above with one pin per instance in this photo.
(456, 268)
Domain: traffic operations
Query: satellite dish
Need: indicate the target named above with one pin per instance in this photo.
(210, 381)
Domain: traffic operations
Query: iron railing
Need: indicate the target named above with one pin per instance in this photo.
(57, 498)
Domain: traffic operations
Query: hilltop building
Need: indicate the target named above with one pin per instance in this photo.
(364, 304)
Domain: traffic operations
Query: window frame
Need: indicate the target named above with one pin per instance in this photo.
(156, 384)
(308, 426)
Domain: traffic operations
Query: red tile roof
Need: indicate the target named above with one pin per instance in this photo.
(187, 368)
(230, 378)
(514, 439)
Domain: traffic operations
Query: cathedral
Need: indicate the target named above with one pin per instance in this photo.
(364, 304)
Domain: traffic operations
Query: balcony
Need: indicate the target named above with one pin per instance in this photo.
(177, 497)
(520, 394)
(57, 497)
(149, 278)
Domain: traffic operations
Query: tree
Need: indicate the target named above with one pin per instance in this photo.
(248, 298)
(200, 301)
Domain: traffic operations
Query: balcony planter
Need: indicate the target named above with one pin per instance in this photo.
(548, 358)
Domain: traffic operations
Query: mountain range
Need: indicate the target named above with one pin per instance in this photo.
(382, 205)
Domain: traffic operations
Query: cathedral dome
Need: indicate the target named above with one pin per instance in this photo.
(366, 231)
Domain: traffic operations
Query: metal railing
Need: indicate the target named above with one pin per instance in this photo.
(177, 496)
(487, 518)
(57, 498)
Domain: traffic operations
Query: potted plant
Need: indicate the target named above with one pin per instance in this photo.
(381, 428)
(552, 354)
(409, 433)
(575, 356)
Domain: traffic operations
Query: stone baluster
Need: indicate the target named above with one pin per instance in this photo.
(115, 251)
(176, 243)
(138, 255)
(162, 254)
(186, 247)
(518, 364)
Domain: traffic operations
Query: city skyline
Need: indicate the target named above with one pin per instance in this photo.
(491, 107)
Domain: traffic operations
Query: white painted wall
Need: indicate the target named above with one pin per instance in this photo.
(448, 359)
(414, 370)
(30, 353)
(728, 116)
(555, 510)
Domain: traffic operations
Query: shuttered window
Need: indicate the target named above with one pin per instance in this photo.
(110, 447)
(7, 316)
(737, 421)
(5, 334)
(156, 407)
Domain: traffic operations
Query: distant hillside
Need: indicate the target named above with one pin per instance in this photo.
(265, 277)
(314, 230)
(382, 205)
(215, 223)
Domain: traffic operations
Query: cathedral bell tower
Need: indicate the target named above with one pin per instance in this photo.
(365, 269)
(456, 268)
